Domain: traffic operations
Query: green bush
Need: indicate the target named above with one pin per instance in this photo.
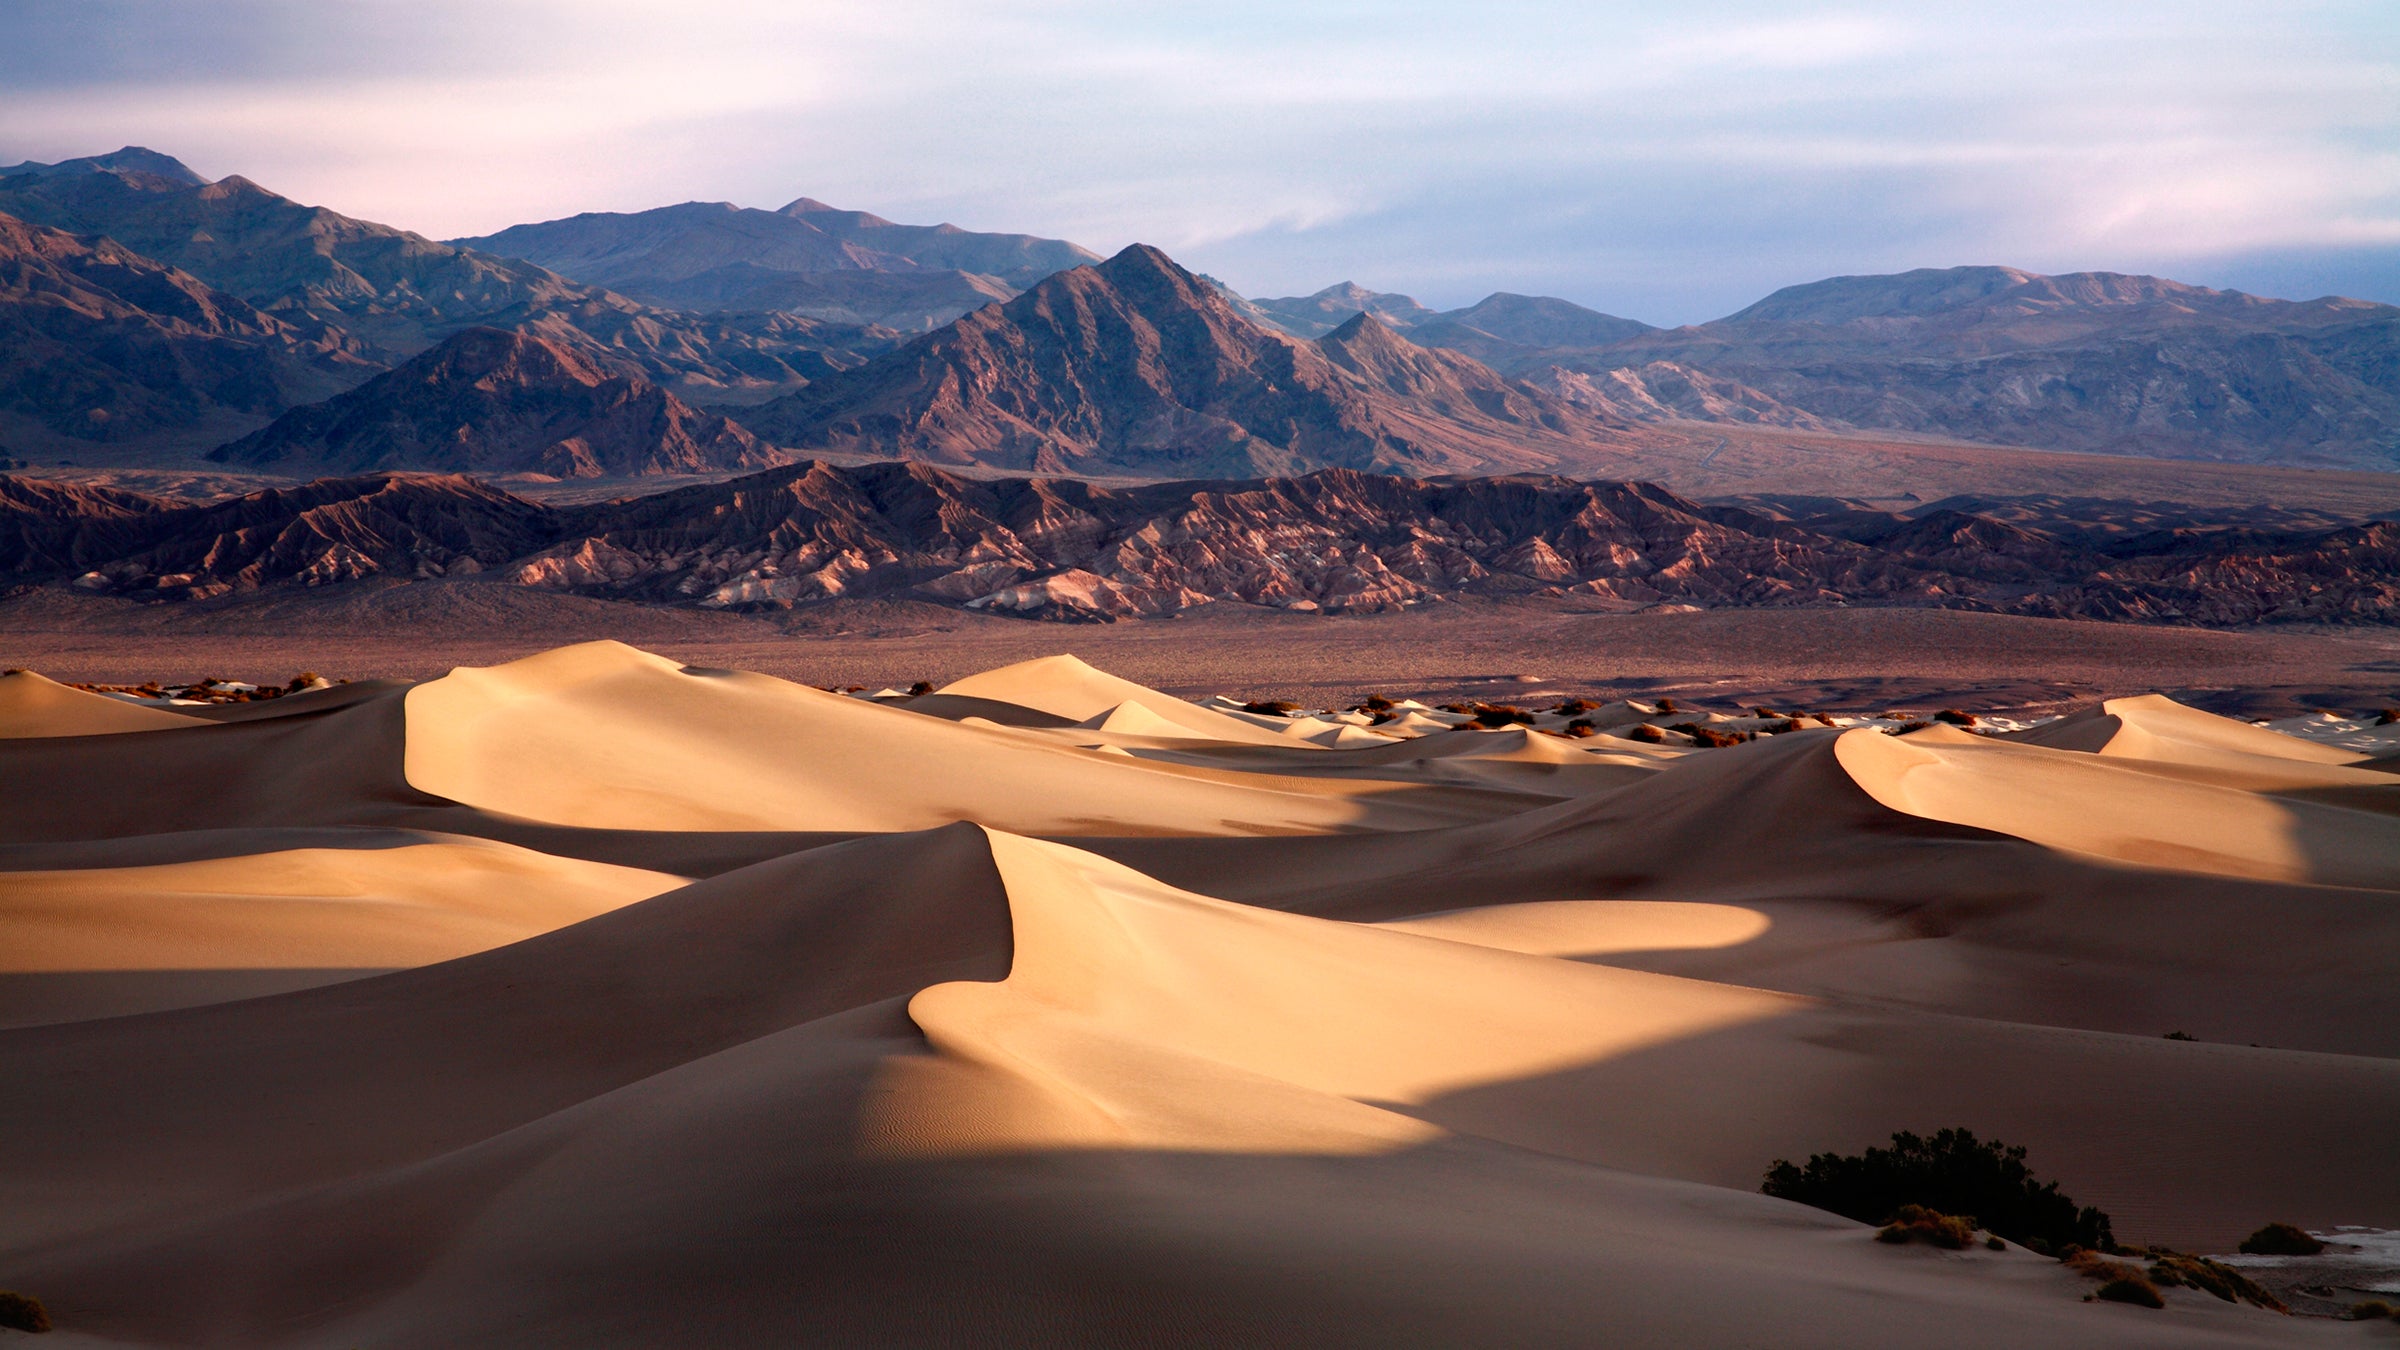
(19, 1313)
(1952, 1173)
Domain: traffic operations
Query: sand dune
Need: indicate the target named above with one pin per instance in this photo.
(2087, 804)
(604, 736)
(33, 706)
(100, 940)
(1276, 1036)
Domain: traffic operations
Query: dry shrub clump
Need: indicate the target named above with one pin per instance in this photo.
(2370, 1310)
(2387, 717)
(1580, 729)
(1710, 736)
(1822, 719)
(1915, 1223)
(1952, 1172)
(920, 689)
(1501, 715)
(1374, 703)
(1277, 707)
(19, 1313)
(2170, 1268)
(1956, 717)
(1647, 735)
(2119, 1282)
(2280, 1239)
(1576, 705)
(1667, 705)
(1906, 727)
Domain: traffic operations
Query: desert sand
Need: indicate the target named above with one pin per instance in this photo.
(596, 999)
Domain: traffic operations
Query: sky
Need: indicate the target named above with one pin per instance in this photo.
(1670, 163)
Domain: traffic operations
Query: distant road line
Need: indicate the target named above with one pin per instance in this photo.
(1721, 444)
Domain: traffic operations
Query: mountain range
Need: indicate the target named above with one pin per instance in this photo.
(2094, 361)
(492, 401)
(1339, 540)
(1137, 367)
(382, 295)
(153, 315)
(806, 258)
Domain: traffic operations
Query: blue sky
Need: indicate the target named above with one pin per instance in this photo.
(1667, 162)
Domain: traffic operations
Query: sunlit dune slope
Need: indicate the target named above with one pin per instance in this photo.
(604, 736)
(31, 706)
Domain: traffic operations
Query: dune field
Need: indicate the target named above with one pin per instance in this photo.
(595, 999)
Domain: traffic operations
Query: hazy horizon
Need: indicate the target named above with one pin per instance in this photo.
(1669, 170)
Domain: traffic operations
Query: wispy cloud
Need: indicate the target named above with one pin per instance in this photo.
(1672, 164)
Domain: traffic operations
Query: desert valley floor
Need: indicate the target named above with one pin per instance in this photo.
(591, 996)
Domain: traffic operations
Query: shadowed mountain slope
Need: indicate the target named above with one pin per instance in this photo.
(488, 401)
(398, 293)
(98, 343)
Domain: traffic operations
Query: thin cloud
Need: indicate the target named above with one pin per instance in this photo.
(1669, 165)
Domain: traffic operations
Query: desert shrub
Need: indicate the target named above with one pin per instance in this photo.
(1455, 708)
(2133, 1289)
(1275, 707)
(2387, 717)
(1581, 728)
(1906, 727)
(2171, 1268)
(1710, 736)
(2371, 1309)
(1915, 1223)
(1502, 715)
(2181, 1036)
(302, 681)
(1955, 717)
(19, 1313)
(1667, 705)
(2119, 1282)
(1996, 1243)
(2281, 1239)
(920, 689)
(1822, 718)
(1951, 1173)
(1647, 734)
(1778, 728)
(1576, 705)
(1374, 703)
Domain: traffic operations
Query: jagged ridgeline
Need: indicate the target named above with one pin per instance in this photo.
(1339, 540)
